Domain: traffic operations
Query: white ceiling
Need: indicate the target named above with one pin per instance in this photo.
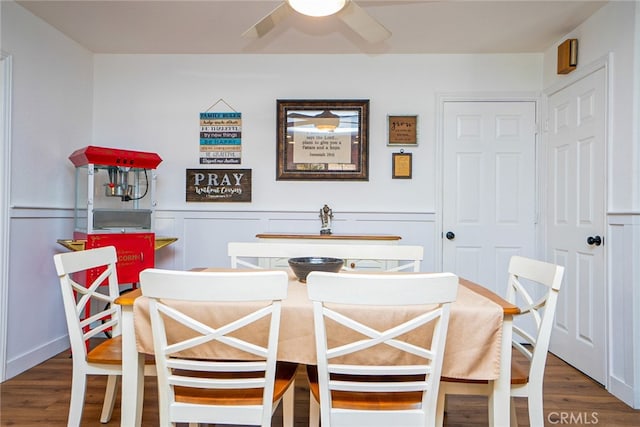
(215, 26)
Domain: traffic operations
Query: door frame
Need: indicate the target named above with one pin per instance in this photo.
(5, 187)
(441, 99)
(605, 63)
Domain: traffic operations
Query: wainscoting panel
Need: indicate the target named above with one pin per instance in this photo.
(205, 239)
(36, 327)
(623, 240)
(203, 236)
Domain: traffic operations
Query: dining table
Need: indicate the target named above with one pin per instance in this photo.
(478, 345)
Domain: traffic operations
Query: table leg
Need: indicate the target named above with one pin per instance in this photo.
(132, 373)
(500, 398)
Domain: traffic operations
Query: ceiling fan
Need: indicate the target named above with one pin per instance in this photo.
(347, 10)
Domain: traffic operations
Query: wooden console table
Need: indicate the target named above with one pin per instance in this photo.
(377, 239)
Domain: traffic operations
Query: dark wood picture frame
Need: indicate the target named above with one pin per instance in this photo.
(322, 140)
(402, 167)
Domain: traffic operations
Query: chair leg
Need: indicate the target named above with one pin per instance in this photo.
(536, 415)
(76, 405)
(288, 402)
(314, 411)
(109, 398)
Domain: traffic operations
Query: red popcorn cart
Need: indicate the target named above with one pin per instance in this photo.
(114, 206)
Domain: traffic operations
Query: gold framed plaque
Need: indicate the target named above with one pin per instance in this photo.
(401, 166)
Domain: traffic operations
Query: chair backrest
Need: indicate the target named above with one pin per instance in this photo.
(249, 254)
(420, 298)
(88, 311)
(523, 273)
(167, 289)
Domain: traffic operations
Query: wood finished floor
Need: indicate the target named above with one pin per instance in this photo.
(40, 397)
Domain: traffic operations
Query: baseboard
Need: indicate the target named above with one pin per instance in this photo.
(622, 391)
(32, 358)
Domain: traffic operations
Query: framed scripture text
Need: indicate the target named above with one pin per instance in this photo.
(323, 140)
(401, 166)
(218, 185)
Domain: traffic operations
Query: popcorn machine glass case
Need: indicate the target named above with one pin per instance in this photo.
(114, 205)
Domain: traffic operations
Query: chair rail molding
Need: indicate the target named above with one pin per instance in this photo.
(5, 175)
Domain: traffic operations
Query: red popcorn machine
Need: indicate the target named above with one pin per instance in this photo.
(114, 206)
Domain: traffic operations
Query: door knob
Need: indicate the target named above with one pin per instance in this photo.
(594, 240)
(450, 235)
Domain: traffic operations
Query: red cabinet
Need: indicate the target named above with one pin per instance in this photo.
(136, 251)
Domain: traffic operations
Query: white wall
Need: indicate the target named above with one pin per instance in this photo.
(51, 112)
(52, 107)
(151, 103)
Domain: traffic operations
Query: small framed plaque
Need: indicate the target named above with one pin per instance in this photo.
(401, 167)
(402, 130)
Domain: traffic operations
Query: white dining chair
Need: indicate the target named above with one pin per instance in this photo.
(527, 277)
(195, 390)
(397, 257)
(105, 358)
(359, 392)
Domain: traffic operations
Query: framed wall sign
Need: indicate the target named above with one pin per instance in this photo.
(401, 165)
(402, 130)
(218, 185)
(323, 140)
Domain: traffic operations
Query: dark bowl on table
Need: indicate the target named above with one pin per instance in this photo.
(302, 266)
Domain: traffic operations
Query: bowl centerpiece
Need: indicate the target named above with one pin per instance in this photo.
(302, 266)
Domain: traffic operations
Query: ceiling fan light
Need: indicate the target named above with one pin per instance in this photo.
(325, 127)
(326, 123)
(317, 7)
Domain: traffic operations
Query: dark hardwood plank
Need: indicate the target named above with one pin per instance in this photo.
(40, 397)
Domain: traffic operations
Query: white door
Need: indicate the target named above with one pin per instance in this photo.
(489, 209)
(576, 223)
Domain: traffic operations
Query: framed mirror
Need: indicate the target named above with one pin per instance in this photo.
(323, 140)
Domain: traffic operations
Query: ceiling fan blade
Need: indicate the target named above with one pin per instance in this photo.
(301, 123)
(267, 23)
(299, 115)
(364, 24)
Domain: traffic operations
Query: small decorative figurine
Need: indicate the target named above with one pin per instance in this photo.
(326, 215)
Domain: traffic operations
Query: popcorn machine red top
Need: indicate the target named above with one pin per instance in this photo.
(115, 203)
